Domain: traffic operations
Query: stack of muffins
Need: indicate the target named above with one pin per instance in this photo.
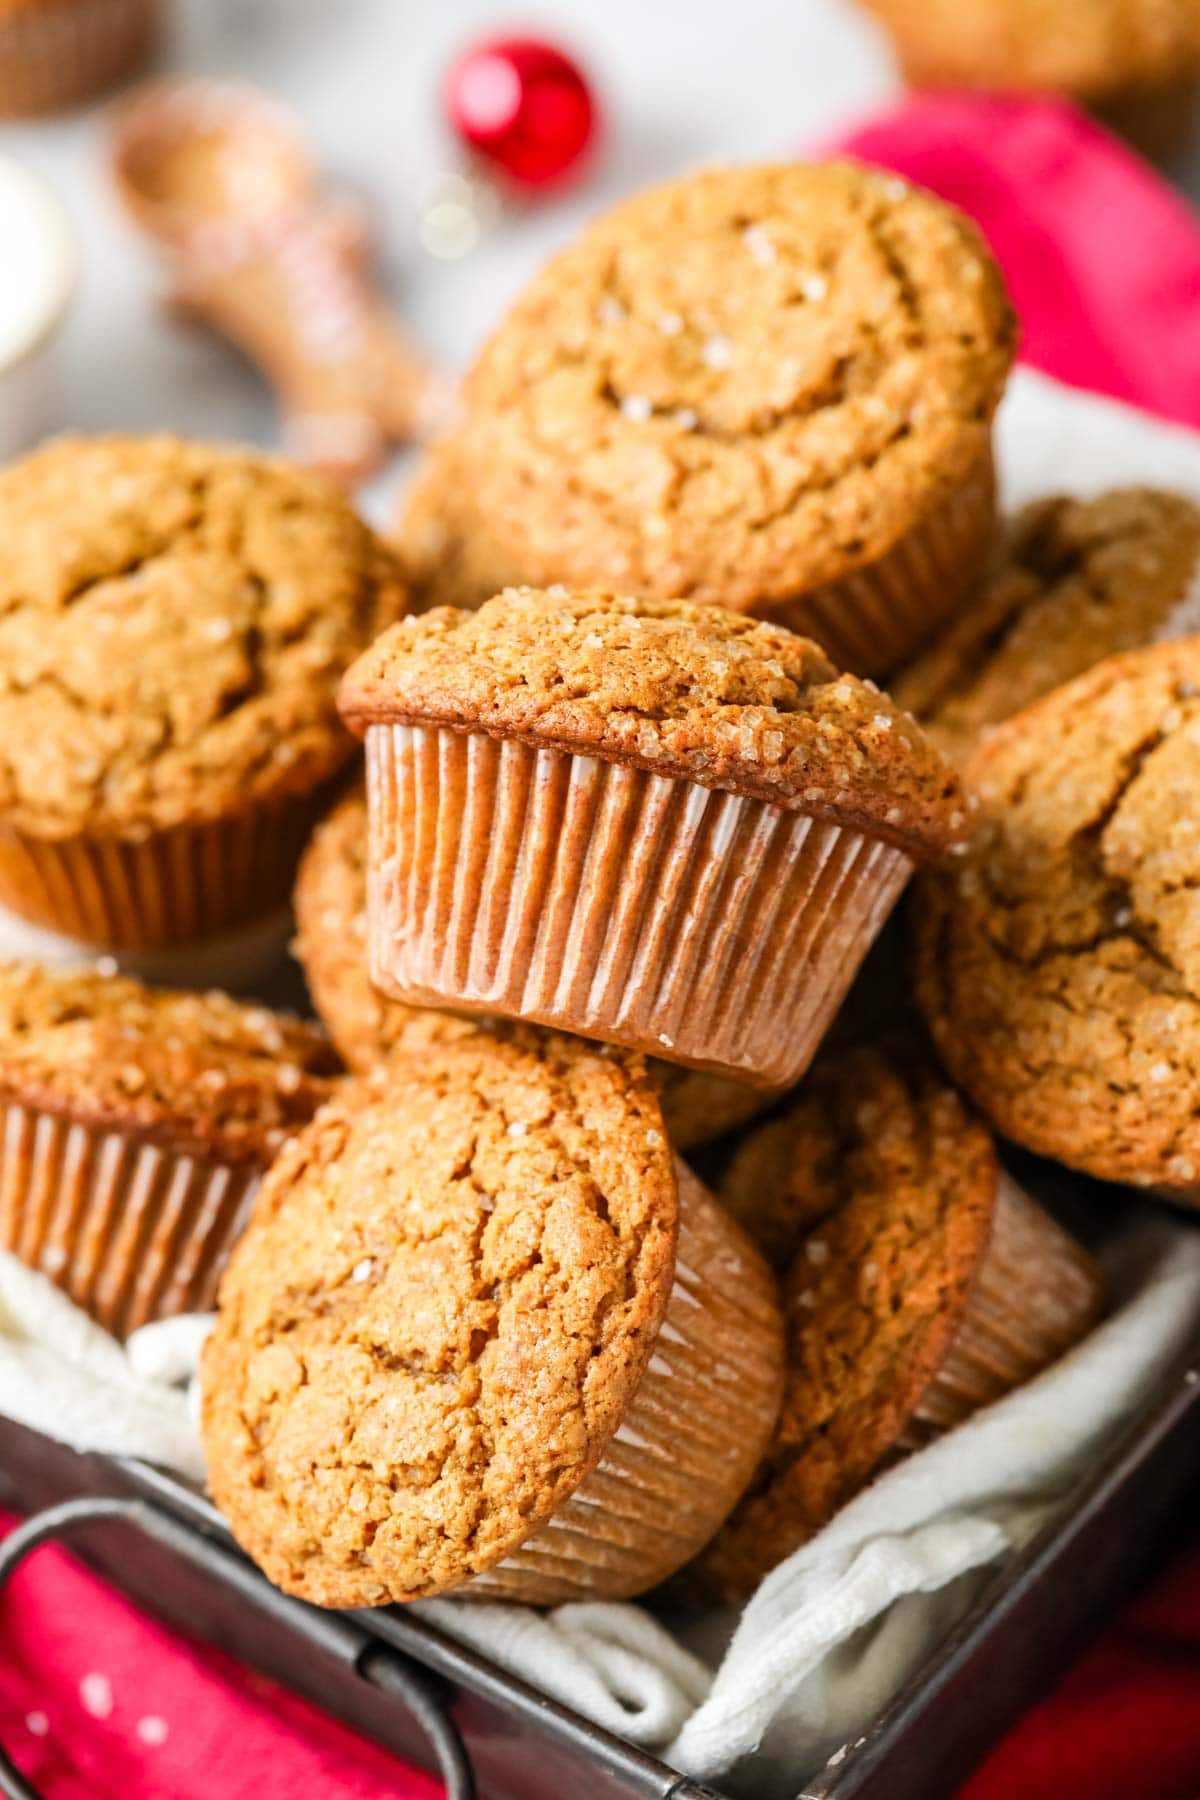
(634, 812)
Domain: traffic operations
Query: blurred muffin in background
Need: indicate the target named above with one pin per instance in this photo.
(1134, 63)
(174, 618)
(57, 53)
(768, 388)
(449, 555)
(1077, 580)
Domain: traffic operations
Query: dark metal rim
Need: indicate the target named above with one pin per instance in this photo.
(348, 1641)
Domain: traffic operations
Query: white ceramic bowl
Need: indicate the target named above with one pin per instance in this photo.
(37, 255)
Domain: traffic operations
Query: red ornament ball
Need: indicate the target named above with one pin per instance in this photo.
(523, 107)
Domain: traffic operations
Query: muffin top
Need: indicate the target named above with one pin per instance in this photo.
(1078, 580)
(889, 1188)
(1083, 47)
(741, 385)
(174, 618)
(449, 555)
(446, 1297)
(1059, 963)
(331, 929)
(682, 690)
(199, 1071)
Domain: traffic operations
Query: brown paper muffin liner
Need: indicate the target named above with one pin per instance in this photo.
(131, 1230)
(875, 619)
(174, 887)
(64, 51)
(1035, 1294)
(688, 1445)
(699, 926)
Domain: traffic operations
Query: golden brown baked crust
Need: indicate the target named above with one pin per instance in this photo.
(682, 690)
(890, 1186)
(449, 555)
(174, 618)
(1058, 966)
(200, 1071)
(331, 931)
(1088, 48)
(443, 1304)
(1078, 580)
(740, 386)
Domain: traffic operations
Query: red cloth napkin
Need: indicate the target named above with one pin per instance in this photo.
(99, 1702)
(1102, 258)
(1124, 1723)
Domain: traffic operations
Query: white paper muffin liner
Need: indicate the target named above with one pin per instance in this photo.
(703, 927)
(690, 1441)
(130, 1229)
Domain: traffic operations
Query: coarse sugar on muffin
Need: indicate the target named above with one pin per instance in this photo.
(1077, 580)
(1058, 965)
(57, 53)
(331, 945)
(458, 1303)
(137, 1122)
(649, 821)
(449, 555)
(768, 387)
(923, 1285)
(1134, 63)
(174, 618)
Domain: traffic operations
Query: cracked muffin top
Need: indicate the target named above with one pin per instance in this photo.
(447, 1294)
(174, 618)
(200, 1071)
(1078, 580)
(740, 386)
(450, 557)
(1058, 965)
(682, 690)
(1083, 47)
(884, 1187)
(331, 945)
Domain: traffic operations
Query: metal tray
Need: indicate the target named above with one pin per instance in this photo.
(396, 1678)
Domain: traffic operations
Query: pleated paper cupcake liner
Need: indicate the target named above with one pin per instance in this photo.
(875, 619)
(699, 926)
(131, 1230)
(690, 1442)
(1036, 1293)
(63, 52)
(174, 887)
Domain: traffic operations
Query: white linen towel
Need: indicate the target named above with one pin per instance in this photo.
(829, 1635)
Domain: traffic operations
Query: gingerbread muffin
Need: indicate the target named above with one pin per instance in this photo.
(1078, 580)
(1058, 965)
(137, 1123)
(449, 555)
(331, 945)
(770, 388)
(57, 53)
(173, 622)
(923, 1285)
(647, 821)
(482, 1335)
(1134, 63)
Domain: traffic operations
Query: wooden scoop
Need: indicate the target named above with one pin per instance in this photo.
(218, 175)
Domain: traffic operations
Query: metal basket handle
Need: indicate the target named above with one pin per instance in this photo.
(339, 1635)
